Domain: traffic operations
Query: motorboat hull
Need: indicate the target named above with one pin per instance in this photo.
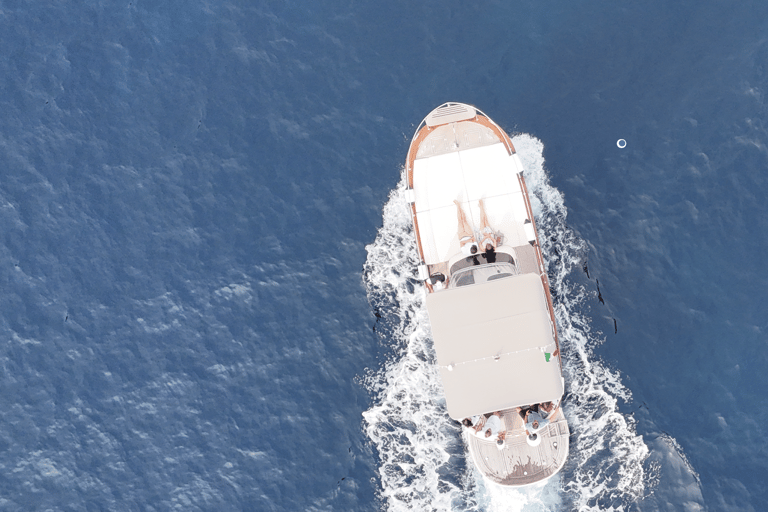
(503, 333)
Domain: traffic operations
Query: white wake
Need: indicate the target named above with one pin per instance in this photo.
(422, 459)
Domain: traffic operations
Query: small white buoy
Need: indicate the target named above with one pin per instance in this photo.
(450, 367)
(621, 143)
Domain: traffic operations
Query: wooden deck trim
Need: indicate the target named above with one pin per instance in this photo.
(501, 134)
(414, 148)
(416, 232)
(540, 258)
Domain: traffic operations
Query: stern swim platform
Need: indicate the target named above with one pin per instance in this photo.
(518, 463)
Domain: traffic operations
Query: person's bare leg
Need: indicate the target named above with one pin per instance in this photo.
(486, 232)
(483, 218)
(465, 230)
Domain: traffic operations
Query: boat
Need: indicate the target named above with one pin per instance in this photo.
(487, 295)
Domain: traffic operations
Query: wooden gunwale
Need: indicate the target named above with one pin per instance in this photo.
(412, 150)
(503, 137)
(540, 258)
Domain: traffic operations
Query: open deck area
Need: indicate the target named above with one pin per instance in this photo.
(518, 463)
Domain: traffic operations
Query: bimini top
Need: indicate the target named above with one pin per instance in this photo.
(491, 341)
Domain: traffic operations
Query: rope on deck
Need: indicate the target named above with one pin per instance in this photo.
(497, 357)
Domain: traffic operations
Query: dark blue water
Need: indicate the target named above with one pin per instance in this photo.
(187, 191)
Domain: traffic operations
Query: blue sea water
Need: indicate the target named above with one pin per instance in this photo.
(200, 218)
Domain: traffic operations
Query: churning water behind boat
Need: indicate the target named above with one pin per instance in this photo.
(422, 462)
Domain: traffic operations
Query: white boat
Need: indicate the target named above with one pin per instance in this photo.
(491, 311)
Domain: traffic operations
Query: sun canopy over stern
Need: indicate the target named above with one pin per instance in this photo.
(491, 341)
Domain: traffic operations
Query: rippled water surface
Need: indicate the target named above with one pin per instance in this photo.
(208, 273)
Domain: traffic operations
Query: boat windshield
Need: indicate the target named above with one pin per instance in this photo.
(482, 274)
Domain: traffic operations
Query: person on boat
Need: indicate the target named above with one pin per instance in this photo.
(467, 241)
(472, 422)
(478, 422)
(523, 411)
(546, 409)
(492, 429)
(489, 240)
(534, 421)
(437, 281)
(490, 255)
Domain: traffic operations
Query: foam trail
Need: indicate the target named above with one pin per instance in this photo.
(419, 446)
(423, 461)
(605, 470)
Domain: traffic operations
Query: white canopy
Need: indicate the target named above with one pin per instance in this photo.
(491, 340)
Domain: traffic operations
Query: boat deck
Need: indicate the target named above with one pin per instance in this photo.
(466, 162)
(518, 463)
